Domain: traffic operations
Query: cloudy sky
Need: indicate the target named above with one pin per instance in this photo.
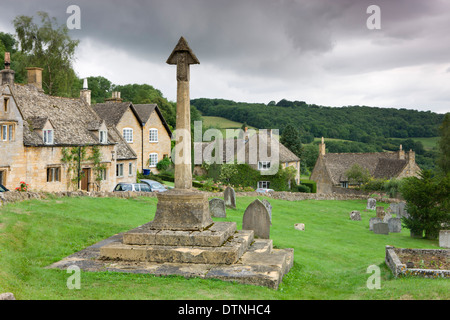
(318, 51)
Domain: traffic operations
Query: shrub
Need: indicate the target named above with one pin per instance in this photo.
(303, 188)
(164, 164)
(310, 184)
(23, 187)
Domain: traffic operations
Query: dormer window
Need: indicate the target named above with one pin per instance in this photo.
(153, 136)
(264, 165)
(48, 136)
(103, 135)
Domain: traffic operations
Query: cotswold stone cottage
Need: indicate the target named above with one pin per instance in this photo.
(330, 169)
(142, 126)
(54, 143)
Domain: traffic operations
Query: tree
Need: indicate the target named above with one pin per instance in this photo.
(290, 138)
(50, 47)
(427, 203)
(358, 174)
(444, 145)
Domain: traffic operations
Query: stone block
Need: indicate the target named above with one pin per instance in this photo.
(355, 215)
(381, 228)
(373, 221)
(256, 218)
(444, 239)
(380, 212)
(217, 208)
(395, 225)
(371, 204)
(299, 226)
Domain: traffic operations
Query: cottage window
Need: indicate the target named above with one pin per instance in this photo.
(103, 136)
(53, 174)
(4, 132)
(48, 136)
(2, 177)
(130, 169)
(263, 165)
(102, 174)
(153, 136)
(153, 160)
(11, 132)
(119, 170)
(128, 135)
(263, 184)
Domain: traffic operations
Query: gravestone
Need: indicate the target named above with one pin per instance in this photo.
(402, 210)
(381, 228)
(444, 239)
(355, 215)
(394, 208)
(256, 218)
(230, 197)
(395, 225)
(371, 204)
(373, 221)
(380, 212)
(217, 208)
(387, 217)
(269, 208)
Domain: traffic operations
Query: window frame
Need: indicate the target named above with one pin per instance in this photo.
(130, 169)
(261, 183)
(150, 165)
(155, 135)
(125, 136)
(103, 136)
(45, 136)
(53, 174)
(4, 132)
(263, 165)
(6, 104)
(119, 170)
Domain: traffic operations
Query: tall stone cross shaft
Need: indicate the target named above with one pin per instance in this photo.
(182, 56)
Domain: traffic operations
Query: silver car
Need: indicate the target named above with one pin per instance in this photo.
(155, 186)
(123, 186)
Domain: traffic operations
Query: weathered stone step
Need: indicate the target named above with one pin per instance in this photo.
(261, 246)
(228, 253)
(214, 236)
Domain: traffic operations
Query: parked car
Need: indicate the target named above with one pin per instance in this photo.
(123, 186)
(3, 188)
(264, 190)
(155, 186)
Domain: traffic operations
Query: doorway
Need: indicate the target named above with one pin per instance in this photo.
(85, 180)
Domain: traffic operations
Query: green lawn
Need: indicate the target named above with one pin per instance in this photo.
(331, 256)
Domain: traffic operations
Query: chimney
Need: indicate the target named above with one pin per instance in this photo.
(85, 94)
(401, 153)
(7, 73)
(115, 97)
(35, 77)
(411, 156)
(322, 148)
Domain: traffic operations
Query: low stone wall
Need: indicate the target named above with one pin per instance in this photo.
(400, 269)
(14, 196)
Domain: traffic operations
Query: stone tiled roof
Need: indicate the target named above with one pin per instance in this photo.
(144, 112)
(112, 111)
(379, 164)
(71, 118)
(123, 150)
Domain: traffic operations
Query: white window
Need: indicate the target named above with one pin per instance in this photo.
(128, 135)
(53, 174)
(103, 136)
(263, 184)
(4, 132)
(48, 136)
(153, 136)
(119, 170)
(130, 169)
(263, 165)
(102, 174)
(11, 132)
(153, 160)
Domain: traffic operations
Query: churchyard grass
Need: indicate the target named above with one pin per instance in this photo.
(331, 256)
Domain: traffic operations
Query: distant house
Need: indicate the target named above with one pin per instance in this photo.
(39, 133)
(330, 169)
(142, 126)
(257, 150)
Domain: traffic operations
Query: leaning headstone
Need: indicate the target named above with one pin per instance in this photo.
(217, 208)
(444, 239)
(269, 208)
(256, 218)
(381, 228)
(373, 221)
(380, 212)
(395, 225)
(402, 210)
(394, 209)
(355, 215)
(229, 196)
(371, 204)
(299, 226)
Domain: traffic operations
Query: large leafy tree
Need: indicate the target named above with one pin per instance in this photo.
(444, 145)
(48, 45)
(290, 138)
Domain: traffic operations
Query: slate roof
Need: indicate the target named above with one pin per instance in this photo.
(379, 164)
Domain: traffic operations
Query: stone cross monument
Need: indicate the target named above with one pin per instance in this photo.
(182, 56)
(182, 208)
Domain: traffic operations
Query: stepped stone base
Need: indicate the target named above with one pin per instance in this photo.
(219, 252)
